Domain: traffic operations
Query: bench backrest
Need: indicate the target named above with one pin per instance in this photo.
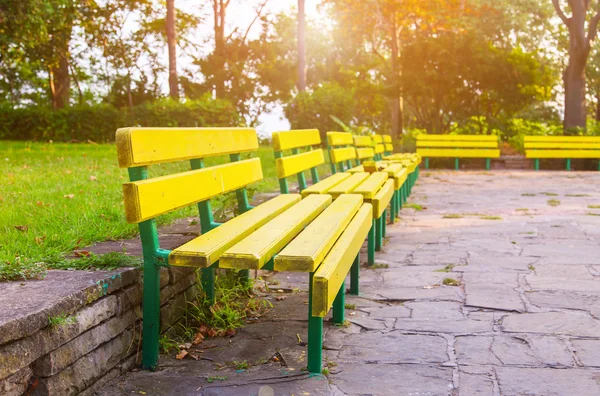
(147, 197)
(378, 146)
(297, 151)
(364, 148)
(389, 147)
(457, 141)
(562, 142)
(341, 150)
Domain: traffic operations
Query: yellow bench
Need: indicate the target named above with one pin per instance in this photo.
(458, 146)
(567, 147)
(389, 147)
(251, 240)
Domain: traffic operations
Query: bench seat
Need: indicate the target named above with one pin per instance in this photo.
(324, 186)
(458, 146)
(563, 147)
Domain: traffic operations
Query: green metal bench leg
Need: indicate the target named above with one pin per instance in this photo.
(568, 164)
(339, 305)
(384, 224)
(488, 163)
(456, 164)
(378, 234)
(426, 163)
(208, 283)
(354, 275)
(315, 335)
(244, 276)
(371, 244)
(151, 316)
(536, 164)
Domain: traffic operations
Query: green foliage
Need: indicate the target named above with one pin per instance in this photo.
(61, 320)
(450, 282)
(98, 123)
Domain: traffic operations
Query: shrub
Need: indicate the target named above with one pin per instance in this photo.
(99, 122)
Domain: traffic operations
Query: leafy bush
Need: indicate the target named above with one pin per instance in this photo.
(99, 122)
(518, 128)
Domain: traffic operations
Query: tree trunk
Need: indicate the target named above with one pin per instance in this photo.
(396, 100)
(301, 47)
(61, 80)
(574, 79)
(172, 46)
(219, 7)
(598, 106)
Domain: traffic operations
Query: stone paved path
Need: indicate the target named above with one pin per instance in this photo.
(523, 318)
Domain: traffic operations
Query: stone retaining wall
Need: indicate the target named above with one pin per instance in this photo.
(98, 340)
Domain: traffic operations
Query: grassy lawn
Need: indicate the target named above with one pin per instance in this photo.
(56, 198)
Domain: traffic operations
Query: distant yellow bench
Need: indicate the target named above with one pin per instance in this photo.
(567, 147)
(458, 146)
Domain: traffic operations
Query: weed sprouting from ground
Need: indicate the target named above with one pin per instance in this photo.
(553, 202)
(61, 320)
(414, 206)
(350, 306)
(593, 206)
(491, 218)
(447, 268)
(549, 194)
(577, 195)
(452, 216)
(450, 282)
(528, 195)
(378, 266)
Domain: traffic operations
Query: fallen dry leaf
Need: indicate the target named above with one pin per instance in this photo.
(230, 333)
(203, 329)
(69, 196)
(212, 332)
(280, 298)
(22, 228)
(93, 178)
(198, 339)
(431, 286)
(39, 240)
(81, 253)
(181, 354)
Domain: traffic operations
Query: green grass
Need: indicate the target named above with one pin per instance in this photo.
(60, 320)
(553, 202)
(593, 206)
(450, 282)
(491, 218)
(549, 194)
(414, 206)
(58, 197)
(452, 216)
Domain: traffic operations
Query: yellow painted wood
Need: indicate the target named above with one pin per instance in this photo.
(205, 250)
(466, 144)
(332, 272)
(379, 148)
(293, 164)
(339, 138)
(459, 153)
(566, 139)
(372, 166)
(389, 147)
(146, 146)
(365, 152)
(285, 140)
(258, 248)
(147, 199)
(383, 198)
(387, 139)
(458, 138)
(400, 178)
(324, 186)
(308, 250)
(562, 153)
(343, 154)
(378, 139)
(363, 141)
(356, 169)
(348, 185)
(371, 186)
(562, 145)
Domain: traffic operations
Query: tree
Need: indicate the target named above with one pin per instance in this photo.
(301, 47)
(580, 44)
(172, 45)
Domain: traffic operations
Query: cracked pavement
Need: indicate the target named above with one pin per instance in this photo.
(523, 320)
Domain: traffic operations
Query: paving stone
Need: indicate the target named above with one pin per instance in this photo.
(564, 323)
(547, 382)
(563, 299)
(481, 262)
(16, 384)
(475, 384)
(372, 324)
(451, 327)
(393, 380)
(588, 352)
(394, 311)
(435, 293)
(494, 296)
(435, 311)
(443, 258)
(375, 347)
(412, 277)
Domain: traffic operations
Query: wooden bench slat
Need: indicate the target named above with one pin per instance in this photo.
(465, 144)
(461, 153)
(562, 154)
(562, 145)
(364, 152)
(458, 138)
(332, 272)
(308, 250)
(379, 148)
(389, 147)
(342, 154)
(363, 141)
(383, 198)
(565, 139)
(371, 185)
(324, 186)
(294, 164)
(285, 140)
(349, 184)
(339, 138)
(356, 169)
(258, 248)
(146, 146)
(149, 198)
(378, 139)
(205, 250)
(398, 172)
(387, 139)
